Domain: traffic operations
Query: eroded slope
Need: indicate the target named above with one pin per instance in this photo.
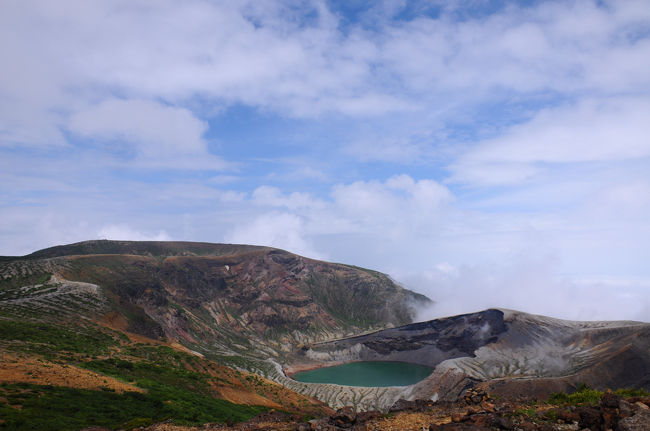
(510, 353)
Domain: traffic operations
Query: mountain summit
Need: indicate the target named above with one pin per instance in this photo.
(272, 313)
(211, 297)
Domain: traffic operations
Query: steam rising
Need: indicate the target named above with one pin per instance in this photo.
(530, 287)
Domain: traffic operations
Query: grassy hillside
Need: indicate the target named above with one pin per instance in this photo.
(56, 377)
(99, 333)
(217, 295)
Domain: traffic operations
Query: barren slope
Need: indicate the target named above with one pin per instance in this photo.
(510, 353)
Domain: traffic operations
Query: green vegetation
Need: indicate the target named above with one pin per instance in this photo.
(356, 300)
(585, 395)
(51, 340)
(155, 376)
(11, 283)
(58, 408)
(187, 395)
(528, 412)
(582, 395)
(551, 415)
(173, 390)
(366, 270)
(628, 393)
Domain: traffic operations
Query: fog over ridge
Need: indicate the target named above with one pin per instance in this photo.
(484, 154)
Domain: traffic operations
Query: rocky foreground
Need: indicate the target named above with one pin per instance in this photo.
(476, 412)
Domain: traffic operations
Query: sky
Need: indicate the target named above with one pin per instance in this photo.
(484, 153)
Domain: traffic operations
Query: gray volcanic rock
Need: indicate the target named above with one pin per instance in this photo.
(426, 343)
(508, 353)
(268, 311)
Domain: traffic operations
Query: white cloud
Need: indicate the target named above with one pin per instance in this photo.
(393, 212)
(223, 179)
(468, 260)
(592, 131)
(22, 125)
(273, 197)
(400, 204)
(294, 57)
(548, 101)
(126, 232)
(531, 285)
(303, 173)
(153, 128)
(275, 229)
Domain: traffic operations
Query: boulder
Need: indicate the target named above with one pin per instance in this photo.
(344, 417)
(610, 400)
(475, 396)
(639, 422)
(590, 418)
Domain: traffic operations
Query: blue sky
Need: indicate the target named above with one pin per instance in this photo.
(486, 153)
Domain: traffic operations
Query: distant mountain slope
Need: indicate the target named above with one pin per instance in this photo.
(144, 248)
(219, 298)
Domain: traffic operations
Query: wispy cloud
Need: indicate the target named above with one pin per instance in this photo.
(593, 131)
(404, 136)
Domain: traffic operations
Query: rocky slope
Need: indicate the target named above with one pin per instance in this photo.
(214, 298)
(245, 306)
(147, 327)
(509, 353)
(270, 312)
(584, 410)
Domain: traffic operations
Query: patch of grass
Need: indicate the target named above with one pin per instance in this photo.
(529, 412)
(156, 376)
(551, 415)
(24, 280)
(582, 395)
(187, 394)
(173, 390)
(60, 408)
(159, 354)
(49, 340)
(628, 393)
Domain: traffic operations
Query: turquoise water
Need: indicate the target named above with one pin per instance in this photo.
(369, 374)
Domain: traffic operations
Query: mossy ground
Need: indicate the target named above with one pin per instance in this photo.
(177, 385)
(36, 407)
(584, 395)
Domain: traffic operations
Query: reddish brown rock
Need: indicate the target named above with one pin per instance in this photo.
(610, 400)
(344, 417)
(590, 418)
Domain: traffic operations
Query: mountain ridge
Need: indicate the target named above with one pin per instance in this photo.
(267, 311)
(257, 291)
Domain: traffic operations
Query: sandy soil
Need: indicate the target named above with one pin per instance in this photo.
(14, 369)
(407, 422)
(292, 369)
(240, 396)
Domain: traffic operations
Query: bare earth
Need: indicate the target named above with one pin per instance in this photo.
(16, 369)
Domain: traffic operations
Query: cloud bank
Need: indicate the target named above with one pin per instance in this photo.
(485, 154)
